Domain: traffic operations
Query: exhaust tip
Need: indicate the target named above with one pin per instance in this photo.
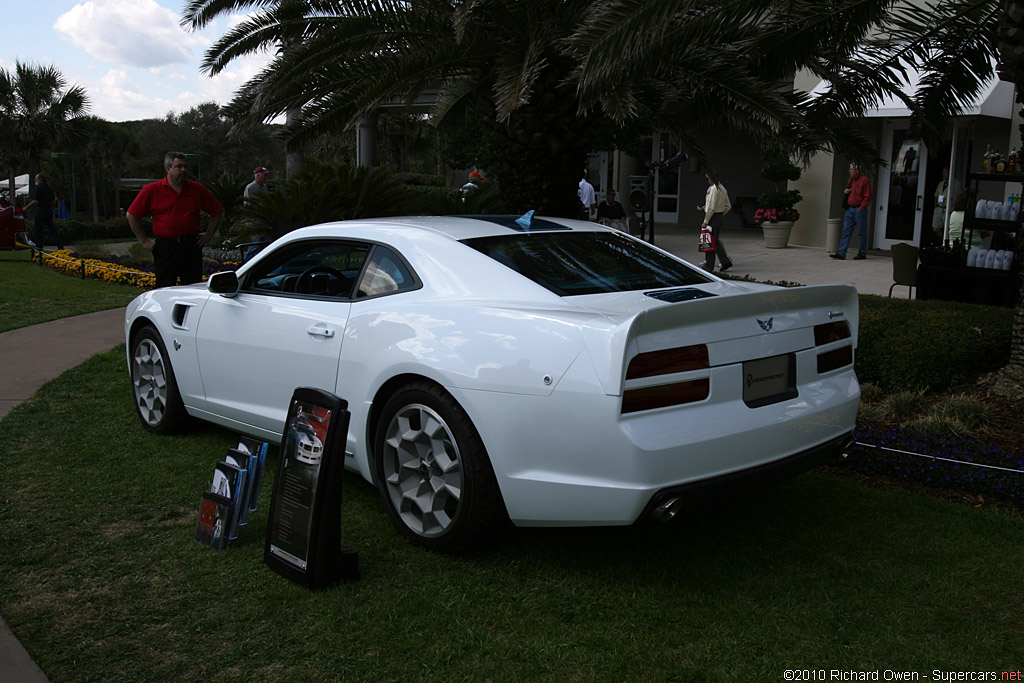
(667, 510)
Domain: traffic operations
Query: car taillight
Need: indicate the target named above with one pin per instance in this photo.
(831, 332)
(835, 358)
(666, 362)
(664, 395)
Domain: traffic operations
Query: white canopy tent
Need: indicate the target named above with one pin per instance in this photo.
(20, 185)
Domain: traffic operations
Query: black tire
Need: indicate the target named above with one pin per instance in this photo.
(154, 388)
(433, 472)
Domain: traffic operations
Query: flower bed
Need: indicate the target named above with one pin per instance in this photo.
(958, 462)
(68, 262)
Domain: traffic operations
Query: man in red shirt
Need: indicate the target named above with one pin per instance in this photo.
(175, 203)
(858, 196)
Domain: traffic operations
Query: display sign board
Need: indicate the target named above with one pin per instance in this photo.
(304, 531)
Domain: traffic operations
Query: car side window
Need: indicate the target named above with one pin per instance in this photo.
(311, 268)
(385, 273)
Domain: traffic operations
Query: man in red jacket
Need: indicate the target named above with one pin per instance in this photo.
(858, 196)
(175, 204)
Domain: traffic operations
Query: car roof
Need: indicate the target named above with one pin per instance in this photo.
(470, 226)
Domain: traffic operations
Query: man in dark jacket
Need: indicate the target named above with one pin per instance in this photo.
(44, 214)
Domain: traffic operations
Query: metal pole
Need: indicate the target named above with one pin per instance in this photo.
(74, 192)
(654, 200)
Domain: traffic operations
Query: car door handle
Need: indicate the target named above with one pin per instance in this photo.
(325, 332)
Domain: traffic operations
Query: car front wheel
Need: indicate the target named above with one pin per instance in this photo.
(433, 472)
(157, 401)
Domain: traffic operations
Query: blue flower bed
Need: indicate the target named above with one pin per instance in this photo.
(934, 472)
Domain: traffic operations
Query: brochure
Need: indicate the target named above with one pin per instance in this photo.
(229, 481)
(259, 449)
(214, 518)
(247, 463)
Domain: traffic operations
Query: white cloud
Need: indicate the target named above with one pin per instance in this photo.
(136, 33)
(116, 97)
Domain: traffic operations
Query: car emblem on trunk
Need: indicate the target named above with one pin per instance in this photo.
(766, 325)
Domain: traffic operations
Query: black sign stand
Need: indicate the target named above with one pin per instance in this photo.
(304, 531)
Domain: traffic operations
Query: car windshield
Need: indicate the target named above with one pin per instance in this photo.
(574, 263)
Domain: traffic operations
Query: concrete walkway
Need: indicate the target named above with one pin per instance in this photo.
(32, 356)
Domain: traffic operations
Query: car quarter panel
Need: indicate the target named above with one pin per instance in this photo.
(610, 465)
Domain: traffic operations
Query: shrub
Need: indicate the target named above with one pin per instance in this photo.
(969, 411)
(74, 230)
(904, 403)
(419, 179)
(929, 345)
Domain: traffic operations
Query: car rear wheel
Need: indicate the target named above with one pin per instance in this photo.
(433, 472)
(157, 401)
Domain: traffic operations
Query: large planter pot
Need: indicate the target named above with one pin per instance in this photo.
(776, 235)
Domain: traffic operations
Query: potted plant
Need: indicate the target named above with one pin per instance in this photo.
(776, 214)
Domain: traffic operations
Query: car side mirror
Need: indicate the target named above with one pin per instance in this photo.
(224, 283)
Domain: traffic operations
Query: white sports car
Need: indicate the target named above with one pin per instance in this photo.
(546, 371)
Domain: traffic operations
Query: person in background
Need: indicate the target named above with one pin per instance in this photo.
(859, 198)
(588, 198)
(956, 223)
(716, 205)
(475, 178)
(259, 183)
(175, 203)
(611, 212)
(944, 192)
(257, 187)
(44, 198)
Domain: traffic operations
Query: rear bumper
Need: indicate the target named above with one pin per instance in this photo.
(754, 477)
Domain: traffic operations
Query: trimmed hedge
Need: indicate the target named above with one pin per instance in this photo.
(110, 229)
(931, 345)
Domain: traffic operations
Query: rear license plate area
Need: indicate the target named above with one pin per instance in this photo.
(769, 380)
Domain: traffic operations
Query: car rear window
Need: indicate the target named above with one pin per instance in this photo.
(574, 263)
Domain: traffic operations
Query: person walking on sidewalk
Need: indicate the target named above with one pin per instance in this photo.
(716, 205)
(858, 196)
(175, 204)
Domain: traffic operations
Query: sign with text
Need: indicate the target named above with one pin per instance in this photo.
(304, 530)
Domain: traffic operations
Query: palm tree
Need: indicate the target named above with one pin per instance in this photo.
(105, 147)
(40, 108)
(322, 195)
(544, 76)
(199, 13)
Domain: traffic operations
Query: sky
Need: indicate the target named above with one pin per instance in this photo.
(131, 56)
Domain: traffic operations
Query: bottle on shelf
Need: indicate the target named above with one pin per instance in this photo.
(985, 159)
(1011, 166)
(993, 161)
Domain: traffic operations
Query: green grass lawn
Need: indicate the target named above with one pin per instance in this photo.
(101, 580)
(32, 294)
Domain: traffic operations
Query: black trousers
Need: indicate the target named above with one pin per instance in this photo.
(177, 258)
(44, 221)
(716, 229)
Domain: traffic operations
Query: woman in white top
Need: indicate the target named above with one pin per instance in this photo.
(956, 222)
